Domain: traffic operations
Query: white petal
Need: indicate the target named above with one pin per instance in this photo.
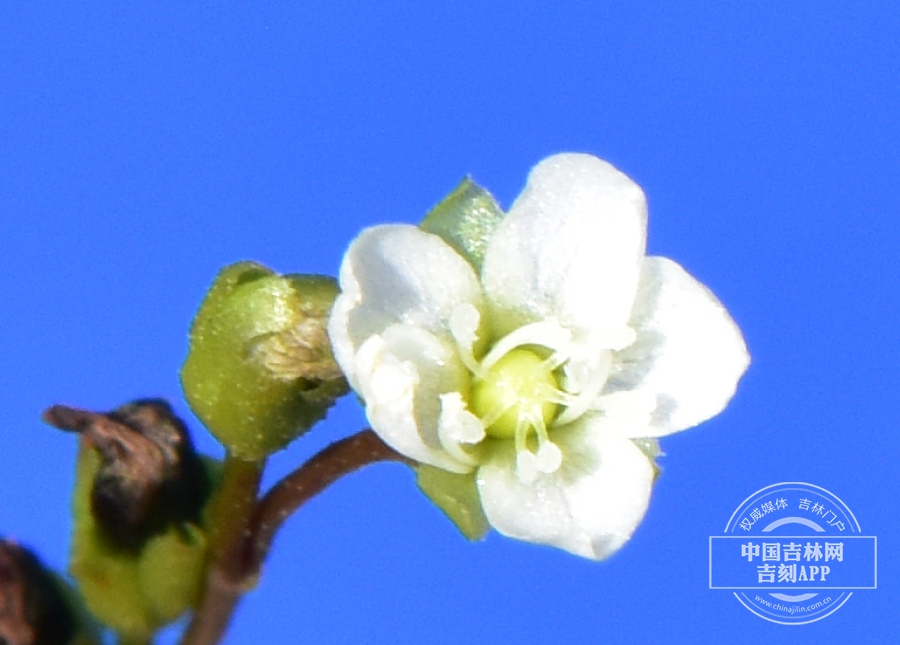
(570, 249)
(402, 374)
(396, 274)
(590, 506)
(689, 353)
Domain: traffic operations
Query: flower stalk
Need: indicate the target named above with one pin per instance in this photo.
(248, 526)
(225, 579)
(287, 496)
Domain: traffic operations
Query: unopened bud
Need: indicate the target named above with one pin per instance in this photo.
(138, 540)
(260, 371)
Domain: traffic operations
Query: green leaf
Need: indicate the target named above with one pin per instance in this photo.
(457, 496)
(260, 371)
(465, 219)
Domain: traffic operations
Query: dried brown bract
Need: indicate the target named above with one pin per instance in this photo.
(150, 475)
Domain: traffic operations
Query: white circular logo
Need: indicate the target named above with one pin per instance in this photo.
(792, 553)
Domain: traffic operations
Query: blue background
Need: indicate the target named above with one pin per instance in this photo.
(143, 147)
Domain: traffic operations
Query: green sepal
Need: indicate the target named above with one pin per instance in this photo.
(260, 371)
(457, 497)
(465, 219)
(139, 589)
(106, 576)
(652, 450)
(170, 572)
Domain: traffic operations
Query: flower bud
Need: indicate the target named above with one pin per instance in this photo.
(260, 370)
(138, 543)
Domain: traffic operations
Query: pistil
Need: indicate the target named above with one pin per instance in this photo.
(517, 398)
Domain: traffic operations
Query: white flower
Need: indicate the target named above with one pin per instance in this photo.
(536, 375)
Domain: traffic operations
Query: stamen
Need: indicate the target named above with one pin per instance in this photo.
(547, 459)
(526, 467)
(585, 379)
(549, 456)
(555, 360)
(547, 333)
(456, 425)
(526, 462)
(464, 323)
(560, 397)
(537, 422)
(521, 435)
(496, 412)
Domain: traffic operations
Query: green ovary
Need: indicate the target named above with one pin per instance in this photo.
(519, 388)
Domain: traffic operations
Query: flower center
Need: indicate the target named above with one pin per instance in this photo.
(515, 393)
(519, 389)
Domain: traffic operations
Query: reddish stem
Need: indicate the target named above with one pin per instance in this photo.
(287, 496)
(233, 564)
